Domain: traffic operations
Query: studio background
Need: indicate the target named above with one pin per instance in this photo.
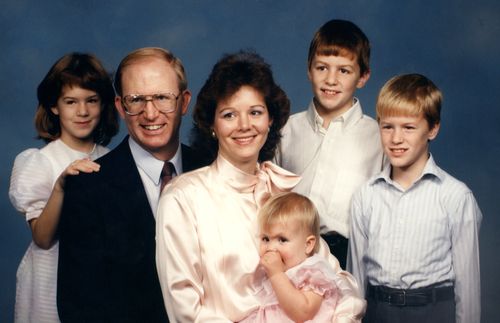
(454, 43)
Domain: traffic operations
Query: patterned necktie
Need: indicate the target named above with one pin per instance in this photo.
(167, 173)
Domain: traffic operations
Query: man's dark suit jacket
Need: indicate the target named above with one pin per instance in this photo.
(107, 270)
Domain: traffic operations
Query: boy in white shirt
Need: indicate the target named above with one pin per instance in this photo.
(332, 145)
(414, 233)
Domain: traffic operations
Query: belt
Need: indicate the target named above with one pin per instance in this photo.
(411, 297)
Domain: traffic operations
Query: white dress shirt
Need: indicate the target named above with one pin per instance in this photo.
(418, 237)
(150, 170)
(333, 162)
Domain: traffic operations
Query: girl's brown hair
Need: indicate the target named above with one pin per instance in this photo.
(81, 70)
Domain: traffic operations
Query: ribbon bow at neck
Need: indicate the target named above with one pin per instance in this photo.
(272, 179)
(268, 179)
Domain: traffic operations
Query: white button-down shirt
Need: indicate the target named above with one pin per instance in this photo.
(418, 237)
(333, 162)
(150, 169)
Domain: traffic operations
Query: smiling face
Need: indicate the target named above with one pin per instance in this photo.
(290, 240)
(156, 132)
(79, 112)
(241, 126)
(334, 80)
(405, 141)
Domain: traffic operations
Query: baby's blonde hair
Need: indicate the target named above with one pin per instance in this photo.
(284, 207)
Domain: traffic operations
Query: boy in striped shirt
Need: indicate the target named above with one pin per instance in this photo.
(414, 228)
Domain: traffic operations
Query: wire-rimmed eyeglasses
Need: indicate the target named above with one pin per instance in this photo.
(136, 103)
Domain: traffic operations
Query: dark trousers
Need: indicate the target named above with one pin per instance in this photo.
(382, 308)
(338, 246)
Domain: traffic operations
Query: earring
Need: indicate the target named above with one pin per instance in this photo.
(213, 135)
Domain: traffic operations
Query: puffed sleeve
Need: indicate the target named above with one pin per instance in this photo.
(178, 258)
(316, 278)
(31, 183)
(351, 305)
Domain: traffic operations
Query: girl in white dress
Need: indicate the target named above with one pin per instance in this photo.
(76, 117)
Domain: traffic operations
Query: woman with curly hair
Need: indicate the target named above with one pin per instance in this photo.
(206, 229)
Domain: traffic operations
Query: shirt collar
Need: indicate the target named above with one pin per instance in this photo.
(430, 170)
(149, 164)
(347, 118)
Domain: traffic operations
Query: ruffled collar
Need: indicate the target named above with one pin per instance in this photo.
(268, 179)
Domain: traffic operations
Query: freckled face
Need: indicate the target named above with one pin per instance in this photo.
(241, 126)
(334, 80)
(79, 112)
(405, 141)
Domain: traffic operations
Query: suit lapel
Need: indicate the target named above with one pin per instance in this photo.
(127, 182)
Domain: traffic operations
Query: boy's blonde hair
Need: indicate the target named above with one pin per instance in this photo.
(410, 95)
(341, 38)
(284, 207)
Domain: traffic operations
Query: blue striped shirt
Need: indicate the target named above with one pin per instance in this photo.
(421, 236)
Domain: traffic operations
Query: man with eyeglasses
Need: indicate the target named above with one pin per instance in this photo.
(107, 270)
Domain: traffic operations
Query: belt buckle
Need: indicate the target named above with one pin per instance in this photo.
(394, 298)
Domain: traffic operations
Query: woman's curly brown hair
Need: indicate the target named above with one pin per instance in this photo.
(230, 73)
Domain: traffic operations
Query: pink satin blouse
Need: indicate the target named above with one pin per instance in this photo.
(207, 243)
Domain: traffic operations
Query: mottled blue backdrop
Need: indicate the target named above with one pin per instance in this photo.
(455, 43)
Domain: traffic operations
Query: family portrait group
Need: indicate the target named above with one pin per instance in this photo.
(262, 215)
